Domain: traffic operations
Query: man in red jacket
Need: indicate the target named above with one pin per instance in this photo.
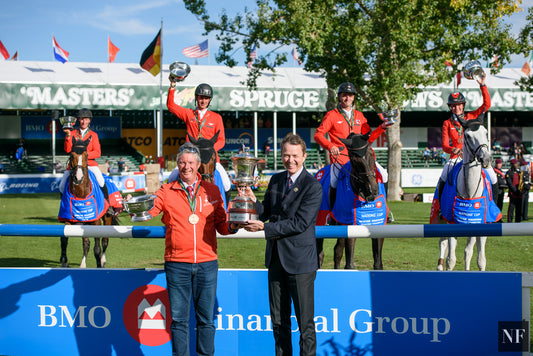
(340, 122)
(193, 212)
(201, 122)
(94, 151)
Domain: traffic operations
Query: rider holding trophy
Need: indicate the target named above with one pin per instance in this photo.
(89, 137)
(200, 122)
(452, 131)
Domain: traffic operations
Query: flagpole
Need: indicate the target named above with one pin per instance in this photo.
(159, 123)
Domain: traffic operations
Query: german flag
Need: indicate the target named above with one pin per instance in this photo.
(151, 58)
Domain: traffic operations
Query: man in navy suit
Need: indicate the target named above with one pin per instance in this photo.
(291, 206)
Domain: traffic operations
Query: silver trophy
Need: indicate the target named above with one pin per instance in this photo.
(473, 70)
(179, 71)
(390, 116)
(139, 207)
(68, 122)
(241, 209)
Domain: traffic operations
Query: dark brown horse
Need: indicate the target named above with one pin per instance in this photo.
(365, 187)
(208, 156)
(80, 186)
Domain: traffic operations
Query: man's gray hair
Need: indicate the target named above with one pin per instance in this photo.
(188, 147)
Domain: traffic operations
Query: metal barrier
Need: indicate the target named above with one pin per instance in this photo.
(358, 231)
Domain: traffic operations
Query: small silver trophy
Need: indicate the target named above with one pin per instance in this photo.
(68, 122)
(179, 71)
(390, 116)
(139, 207)
(473, 70)
(241, 209)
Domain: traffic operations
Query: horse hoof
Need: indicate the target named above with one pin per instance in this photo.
(440, 264)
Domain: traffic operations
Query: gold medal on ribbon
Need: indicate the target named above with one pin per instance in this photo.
(460, 140)
(193, 219)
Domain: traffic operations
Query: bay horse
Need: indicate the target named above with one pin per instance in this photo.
(208, 160)
(467, 195)
(81, 188)
(359, 189)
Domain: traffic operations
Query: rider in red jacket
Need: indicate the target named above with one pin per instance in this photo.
(201, 122)
(94, 151)
(340, 122)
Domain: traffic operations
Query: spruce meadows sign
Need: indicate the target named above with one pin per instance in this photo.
(114, 97)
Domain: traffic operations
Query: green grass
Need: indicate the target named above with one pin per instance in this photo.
(503, 253)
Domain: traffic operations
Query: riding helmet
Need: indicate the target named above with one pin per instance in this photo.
(456, 98)
(85, 113)
(204, 90)
(346, 88)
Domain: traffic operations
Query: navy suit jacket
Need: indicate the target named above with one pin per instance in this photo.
(291, 226)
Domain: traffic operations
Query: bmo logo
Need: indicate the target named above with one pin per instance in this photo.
(146, 315)
(477, 205)
(129, 183)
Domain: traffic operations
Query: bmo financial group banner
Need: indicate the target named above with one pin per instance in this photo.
(127, 312)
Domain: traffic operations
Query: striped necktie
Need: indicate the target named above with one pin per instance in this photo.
(288, 187)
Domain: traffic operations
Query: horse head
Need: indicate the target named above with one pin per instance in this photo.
(363, 173)
(208, 155)
(77, 164)
(475, 138)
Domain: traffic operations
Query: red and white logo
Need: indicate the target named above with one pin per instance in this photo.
(129, 183)
(146, 315)
(477, 205)
(319, 175)
(379, 204)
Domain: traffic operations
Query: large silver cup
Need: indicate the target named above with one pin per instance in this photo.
(241, 209)
(179, 70)
(473, 70)
(139, 207)
(68, 122)
(390, 116)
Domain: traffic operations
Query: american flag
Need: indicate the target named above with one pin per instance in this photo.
(253, 56)
(197, 51)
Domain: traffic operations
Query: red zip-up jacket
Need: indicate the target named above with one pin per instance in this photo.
(185, 242)
(336, 125)
(213, 122)
(450, 135)
(93, 149)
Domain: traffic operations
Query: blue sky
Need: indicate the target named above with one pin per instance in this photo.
(82, 28)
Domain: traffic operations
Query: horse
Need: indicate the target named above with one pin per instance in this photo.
(360, 199)
(84, 194)
(467, 195)
(208, 160)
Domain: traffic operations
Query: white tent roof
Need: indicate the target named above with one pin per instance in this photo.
(25, 72)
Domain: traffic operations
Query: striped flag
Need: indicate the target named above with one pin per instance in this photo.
(253, 56)
(151, 57)
(197, 51)
(59, 53)
(526, 68)
(111, 50)
(296, 56)
(4, 51)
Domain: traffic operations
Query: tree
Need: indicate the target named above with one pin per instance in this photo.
(389, 49)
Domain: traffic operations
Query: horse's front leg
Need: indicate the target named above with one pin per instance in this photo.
(338, 251)
(469, 251)
(349, 248)
(443, 252)
(452, 259)
(97, 252)
(86, 246)
(481, 258)
(105, 242)
(63, 259)
(377, 247)
(320, 251)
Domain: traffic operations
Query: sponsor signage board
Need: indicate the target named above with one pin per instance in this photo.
(73, 311)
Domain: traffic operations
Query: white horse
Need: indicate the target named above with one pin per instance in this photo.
(470, 184)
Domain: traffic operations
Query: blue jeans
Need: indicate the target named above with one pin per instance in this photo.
(198, 280)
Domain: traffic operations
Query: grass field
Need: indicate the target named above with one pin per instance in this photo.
(503, 253)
